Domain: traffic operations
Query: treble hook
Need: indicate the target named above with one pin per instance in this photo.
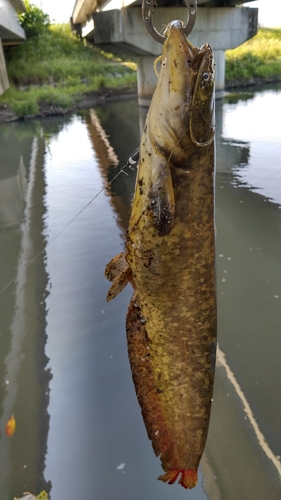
(147, 14)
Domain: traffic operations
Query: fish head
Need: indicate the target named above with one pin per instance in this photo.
(184, 95)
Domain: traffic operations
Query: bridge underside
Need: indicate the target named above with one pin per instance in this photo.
(223, 28)
(83, 9)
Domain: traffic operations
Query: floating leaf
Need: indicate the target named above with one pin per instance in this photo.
(11, 426)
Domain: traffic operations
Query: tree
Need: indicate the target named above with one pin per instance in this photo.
(33, 20)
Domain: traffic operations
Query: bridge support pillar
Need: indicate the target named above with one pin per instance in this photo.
(219, 56)
(4, 82)
(222, 27)
(146, 79)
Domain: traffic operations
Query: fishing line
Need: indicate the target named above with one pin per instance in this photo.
(131, 163)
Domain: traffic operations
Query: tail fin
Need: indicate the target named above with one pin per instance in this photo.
(188, 477)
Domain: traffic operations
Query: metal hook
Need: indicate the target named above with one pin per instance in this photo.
(147, 14)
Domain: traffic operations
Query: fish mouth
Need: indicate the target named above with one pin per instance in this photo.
(194, 56)
(185, 67)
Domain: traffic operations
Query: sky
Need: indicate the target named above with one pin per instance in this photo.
(60, 11)
(269, 12)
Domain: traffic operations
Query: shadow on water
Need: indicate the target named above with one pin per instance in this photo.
(64, 367)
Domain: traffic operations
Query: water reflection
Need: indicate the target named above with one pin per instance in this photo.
(234, 154)
(129, 118)
(249, 275)
(109, 167)
(80, 433)
(25, 377)
(260, 127)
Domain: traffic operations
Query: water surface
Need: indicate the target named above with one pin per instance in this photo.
(64, 367)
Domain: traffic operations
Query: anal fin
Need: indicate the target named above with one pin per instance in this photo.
(117, 271)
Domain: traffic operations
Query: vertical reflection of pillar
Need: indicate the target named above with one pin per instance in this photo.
(107, 158)
(26, 394)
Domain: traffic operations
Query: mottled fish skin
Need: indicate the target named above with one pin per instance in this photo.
(170, 258)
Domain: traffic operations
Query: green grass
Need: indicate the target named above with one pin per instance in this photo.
(259, 58)
(26, 103)
(57, 69)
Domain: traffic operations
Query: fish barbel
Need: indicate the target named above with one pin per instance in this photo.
(170, 260)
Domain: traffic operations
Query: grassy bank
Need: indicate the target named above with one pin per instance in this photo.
(258, 60)
(56, 69)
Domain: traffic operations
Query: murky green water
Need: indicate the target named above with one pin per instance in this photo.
(64, 368)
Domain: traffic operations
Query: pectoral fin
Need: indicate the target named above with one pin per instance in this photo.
(162, 201)
(117, 271)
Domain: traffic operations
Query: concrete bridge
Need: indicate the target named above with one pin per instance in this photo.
(11, 33)
(117, 25)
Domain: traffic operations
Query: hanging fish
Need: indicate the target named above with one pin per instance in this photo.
(170, 260)
(11, 426)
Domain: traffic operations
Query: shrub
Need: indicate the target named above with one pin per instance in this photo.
(259, 57)
(26, 107)
(33, 20)
(54, 97)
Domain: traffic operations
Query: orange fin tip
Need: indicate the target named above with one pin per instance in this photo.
(188, 477)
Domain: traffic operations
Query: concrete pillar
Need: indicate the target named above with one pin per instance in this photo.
(146, 79)
(4, 82)
(219, 57)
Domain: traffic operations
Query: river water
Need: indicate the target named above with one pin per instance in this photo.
(64, 368)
